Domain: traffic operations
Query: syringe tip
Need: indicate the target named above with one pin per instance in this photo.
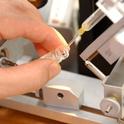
(81, 31)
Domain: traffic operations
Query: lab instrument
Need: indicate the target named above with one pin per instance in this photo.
(77, 99)
(61, 54)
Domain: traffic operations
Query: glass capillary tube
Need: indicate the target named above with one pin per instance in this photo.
(92, 20)
(58, 54)
(61, 54)
(88, 24)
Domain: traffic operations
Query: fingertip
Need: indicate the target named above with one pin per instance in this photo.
(50, 68)
(54, 69)
(61, 38)
(40, 50)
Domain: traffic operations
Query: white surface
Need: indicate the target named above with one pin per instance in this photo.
(110, 107)
(61, 13)
(36, 107)
(72, 90)
(93, 89)
(112, 9)
(93, 94)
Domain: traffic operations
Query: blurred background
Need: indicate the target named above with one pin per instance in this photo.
(63, 15)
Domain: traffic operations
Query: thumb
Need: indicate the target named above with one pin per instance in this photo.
(26, 78)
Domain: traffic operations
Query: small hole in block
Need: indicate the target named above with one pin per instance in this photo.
(60, 95)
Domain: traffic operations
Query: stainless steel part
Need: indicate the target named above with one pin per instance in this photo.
(113, 91)
(17, 49)
(37, 107)
(103, 44)
(5, 62)
(16, 52)
(63, 92)
(110, 107)
(110, 45)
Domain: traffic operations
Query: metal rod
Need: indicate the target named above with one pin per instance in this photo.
(93, 56)
(95, 70)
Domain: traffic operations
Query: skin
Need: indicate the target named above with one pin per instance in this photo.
(19, 18)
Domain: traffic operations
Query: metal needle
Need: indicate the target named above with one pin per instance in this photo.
(80, 32)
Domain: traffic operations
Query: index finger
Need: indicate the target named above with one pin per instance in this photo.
(48, 37)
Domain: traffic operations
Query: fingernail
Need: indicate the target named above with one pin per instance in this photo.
(61, 37)
(54, 69)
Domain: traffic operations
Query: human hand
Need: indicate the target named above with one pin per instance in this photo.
(18, 18)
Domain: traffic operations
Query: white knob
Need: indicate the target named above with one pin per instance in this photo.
(110, 107)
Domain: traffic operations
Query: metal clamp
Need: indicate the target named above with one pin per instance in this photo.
(5, 62)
